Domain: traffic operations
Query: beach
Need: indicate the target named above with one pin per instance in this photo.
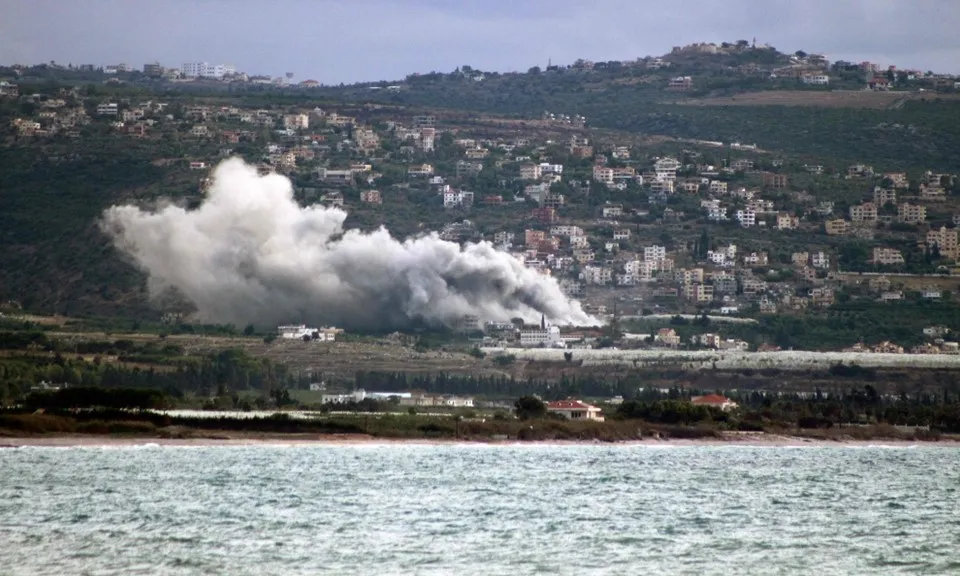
(244, 439)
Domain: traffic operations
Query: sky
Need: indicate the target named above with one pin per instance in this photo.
(336, 41)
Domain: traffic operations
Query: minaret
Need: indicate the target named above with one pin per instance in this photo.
(543, 321)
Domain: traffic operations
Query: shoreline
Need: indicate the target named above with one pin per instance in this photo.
(240, 440)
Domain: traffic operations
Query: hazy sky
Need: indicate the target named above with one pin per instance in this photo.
(354, 40)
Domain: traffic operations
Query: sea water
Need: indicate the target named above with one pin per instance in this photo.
(479, 509)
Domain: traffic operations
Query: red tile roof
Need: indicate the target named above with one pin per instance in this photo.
(568, 405)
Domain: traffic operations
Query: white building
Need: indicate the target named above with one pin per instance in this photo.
(654, 253)
(718, 187)
(205, 70)
(302, 331)
(566, 231)
(747, 218)
(819, 260)
(816, 79)
(107, 109)
(296, 121)
(546, 336)
(503, 238)
(603, 174)
(575, 410)
(596, 275)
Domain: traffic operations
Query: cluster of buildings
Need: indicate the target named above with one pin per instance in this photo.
(185, 72)
(411, 399)
(643, 246)
(308, 334)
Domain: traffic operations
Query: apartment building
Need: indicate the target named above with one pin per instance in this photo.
(898, 179)
(883, 195)
(911, 213)
(530, 171)
(775, 181)
(787, 221)
(654, 253)
(718, 187)
(603, 174)
(946, 241)
(887, 256)
(836, 227)
(866, 212)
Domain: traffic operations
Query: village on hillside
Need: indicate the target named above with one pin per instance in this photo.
(634, 229)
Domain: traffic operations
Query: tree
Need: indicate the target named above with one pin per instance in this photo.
(249, 330)
(529, 408)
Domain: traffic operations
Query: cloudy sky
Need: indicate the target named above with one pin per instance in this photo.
(355, 40)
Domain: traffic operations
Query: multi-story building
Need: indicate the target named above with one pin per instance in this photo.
(107, 109)
(662, 187)
(836, 227)
(887, 256)
(775, 181)
(883, 195)
(756, 259)
(625, 173)
(866, 212)
(566, 230)
(786, 221)
(597, 275)
(680, 83)
(911, 213)
(612, 210)
(503, 238)
(371, 197)
(716, 213)
(296, 121)
(154, 70)
(819, 260)
(945, 239)
(718, 187)
(603, 174)
(897, 179)
(530, 171)
(654, 253)
(700, 293)
(533, 237)
(933, 192)
(420, 170)
(205, 70)
(747, 217)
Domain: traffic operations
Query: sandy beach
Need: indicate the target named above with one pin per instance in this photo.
(234, 439)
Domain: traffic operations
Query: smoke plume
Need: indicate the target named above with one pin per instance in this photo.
(250, 253)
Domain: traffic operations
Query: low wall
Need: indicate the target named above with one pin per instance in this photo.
(731, 360)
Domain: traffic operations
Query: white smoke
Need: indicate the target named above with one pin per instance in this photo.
(250, 253)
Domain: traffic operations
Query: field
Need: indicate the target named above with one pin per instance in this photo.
(832, 99)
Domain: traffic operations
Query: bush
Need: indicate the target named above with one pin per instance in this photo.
(119, 427)
(37, 423)
(505, 360)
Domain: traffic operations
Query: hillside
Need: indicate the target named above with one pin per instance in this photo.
(65, 162)
(731, 98)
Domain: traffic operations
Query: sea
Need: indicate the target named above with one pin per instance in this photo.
(464, 509)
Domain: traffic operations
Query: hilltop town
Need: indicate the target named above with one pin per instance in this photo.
(677, 242)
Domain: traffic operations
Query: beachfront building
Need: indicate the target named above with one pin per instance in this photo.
(575, 410)
(715, 401)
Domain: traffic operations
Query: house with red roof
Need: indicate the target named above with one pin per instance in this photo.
(715, 401)
(575, 410)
